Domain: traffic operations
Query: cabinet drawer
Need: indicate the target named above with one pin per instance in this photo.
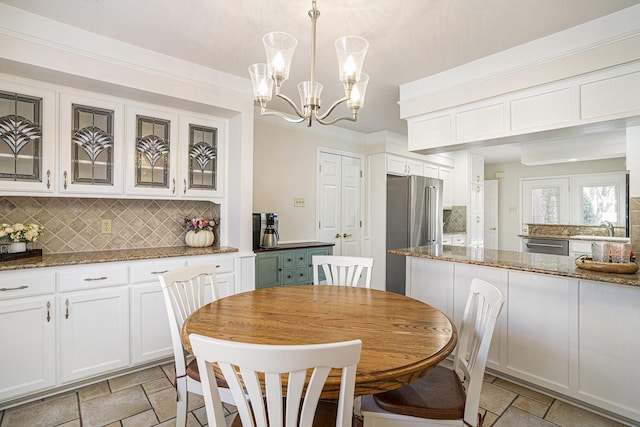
(24, 283)
(301, 259)
(223, 263)
(95, 276)
(147, 271)
(288, 259)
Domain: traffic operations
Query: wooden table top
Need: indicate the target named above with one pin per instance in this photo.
(402, 338)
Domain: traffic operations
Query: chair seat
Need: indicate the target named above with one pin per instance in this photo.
(193, 373)
(439, 395)
(325, 415)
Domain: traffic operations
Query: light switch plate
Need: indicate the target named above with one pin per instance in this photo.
(298, 202)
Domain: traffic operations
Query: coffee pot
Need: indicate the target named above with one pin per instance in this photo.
(270, 238)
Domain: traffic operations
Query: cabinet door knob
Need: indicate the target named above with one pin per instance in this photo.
(174, 186)
(345, 235)
(48, 179)
(65, 179)
(337, 235)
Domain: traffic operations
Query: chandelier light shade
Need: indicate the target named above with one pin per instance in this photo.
(279, 48)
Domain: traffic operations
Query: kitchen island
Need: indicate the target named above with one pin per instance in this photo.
(566, 331)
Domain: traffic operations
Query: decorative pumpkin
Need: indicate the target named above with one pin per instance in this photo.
(200, 239)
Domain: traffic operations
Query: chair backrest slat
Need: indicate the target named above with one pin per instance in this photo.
(342, 270)
(243, 364)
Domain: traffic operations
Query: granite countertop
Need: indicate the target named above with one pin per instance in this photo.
(524, 261)
(76, 258)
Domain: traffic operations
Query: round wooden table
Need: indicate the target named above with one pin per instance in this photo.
(402, 338)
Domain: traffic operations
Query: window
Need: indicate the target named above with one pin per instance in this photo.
(578, 199)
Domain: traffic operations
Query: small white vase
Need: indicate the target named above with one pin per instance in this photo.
(17, 247)
(200, 239)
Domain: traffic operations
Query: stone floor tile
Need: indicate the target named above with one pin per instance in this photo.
(195, 401)
(51, 412)
(93, 391)
(74, 423)
(495, 399)
(514, 417)
(489, 419)
(116, 424)
(191, 422)
(201, 415)
(157, 385)
(531, 406)
(143, 419)
(542, 398)
(170, 371)
(164, 404)
(113, 407)
(135, 378)
(566, 415)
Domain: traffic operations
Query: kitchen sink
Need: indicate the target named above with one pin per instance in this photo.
(605, 238)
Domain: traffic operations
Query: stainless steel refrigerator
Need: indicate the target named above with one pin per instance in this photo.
(414, 218)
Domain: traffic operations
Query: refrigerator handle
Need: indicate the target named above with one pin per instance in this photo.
(432, 213)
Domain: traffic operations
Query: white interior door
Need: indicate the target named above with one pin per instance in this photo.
(491, 214)
(339, 207)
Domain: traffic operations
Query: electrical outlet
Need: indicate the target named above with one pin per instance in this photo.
(298, 202)
(105, 226)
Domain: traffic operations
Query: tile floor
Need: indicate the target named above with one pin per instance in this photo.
(147, 398)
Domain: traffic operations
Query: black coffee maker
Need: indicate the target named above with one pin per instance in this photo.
(265, 230)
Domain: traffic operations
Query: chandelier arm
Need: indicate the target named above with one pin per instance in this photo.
(335, 104)
(292, 104)
(353, 118)
(265, 112)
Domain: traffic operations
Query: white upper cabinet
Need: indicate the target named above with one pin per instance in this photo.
(91, 144)
(610, 94)
(27, 137)
(203, 140)
(72, 142)
(152, 151)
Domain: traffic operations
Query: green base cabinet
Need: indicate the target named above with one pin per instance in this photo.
(287, 266)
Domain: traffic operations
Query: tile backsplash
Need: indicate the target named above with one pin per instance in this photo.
(455, 220)
(74, 224)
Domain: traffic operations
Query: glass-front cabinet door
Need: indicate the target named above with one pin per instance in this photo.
(90, 145)
(151, 141)
(27, 143)
(203, 140)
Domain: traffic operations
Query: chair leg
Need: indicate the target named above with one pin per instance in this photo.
(181, 404)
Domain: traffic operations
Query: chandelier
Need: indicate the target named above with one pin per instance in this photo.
(279, 48)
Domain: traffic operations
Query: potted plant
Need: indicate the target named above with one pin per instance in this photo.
(18, 235)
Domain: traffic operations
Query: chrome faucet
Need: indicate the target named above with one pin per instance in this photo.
(609, 227)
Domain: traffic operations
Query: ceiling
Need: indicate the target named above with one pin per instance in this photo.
(409, 39)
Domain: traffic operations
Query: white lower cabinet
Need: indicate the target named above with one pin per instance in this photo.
(27, 333)
(576, 338)
(70, 324)
(94, 332)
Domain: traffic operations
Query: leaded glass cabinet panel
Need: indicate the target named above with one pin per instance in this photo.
(20, 137)
(27, 126)
(92, 145)
(153, 151)
(203, 157)
(91, 130)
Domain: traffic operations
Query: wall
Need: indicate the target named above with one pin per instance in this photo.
(509, 190)
(284, 167)
(73, 224)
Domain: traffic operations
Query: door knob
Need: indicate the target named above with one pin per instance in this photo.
(492, 229)
(345, 235)
(337, 235)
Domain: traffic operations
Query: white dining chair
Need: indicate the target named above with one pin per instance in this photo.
(342, 270)
(184, 293)
(445, 397)
(244, 365)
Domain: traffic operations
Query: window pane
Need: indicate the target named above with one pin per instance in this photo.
(599, 203)
(545, 205)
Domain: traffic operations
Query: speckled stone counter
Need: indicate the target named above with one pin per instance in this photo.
(76, 258)
(536, 263)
